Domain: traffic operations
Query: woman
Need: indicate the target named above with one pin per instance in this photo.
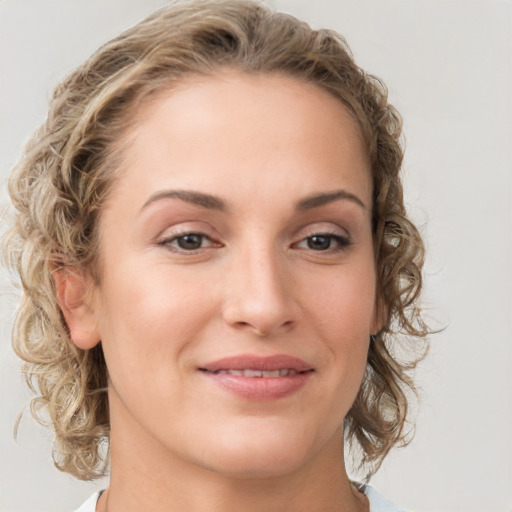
(217, 264)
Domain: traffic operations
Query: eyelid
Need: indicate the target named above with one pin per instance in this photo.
(342, 237)
(173, 234)
(186, 227)
(342, 241)
(323, 228)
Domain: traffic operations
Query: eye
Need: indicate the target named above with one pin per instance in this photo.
(324, 242)
(187, 242)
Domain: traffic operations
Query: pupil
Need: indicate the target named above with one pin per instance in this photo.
(319, 243)
(190, 241)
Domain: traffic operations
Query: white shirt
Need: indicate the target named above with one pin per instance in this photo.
(377, 502)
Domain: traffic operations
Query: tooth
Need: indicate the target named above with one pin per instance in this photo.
(284, 372)
(252, 373)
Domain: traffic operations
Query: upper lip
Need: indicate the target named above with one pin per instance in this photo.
(252, 362)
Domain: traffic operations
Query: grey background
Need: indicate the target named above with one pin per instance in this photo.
(448, 68)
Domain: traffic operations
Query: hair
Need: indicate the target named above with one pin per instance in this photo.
(68, 167)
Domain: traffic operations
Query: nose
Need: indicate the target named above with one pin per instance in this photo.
(259, 296)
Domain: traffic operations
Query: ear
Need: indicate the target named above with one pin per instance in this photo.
(73, 293)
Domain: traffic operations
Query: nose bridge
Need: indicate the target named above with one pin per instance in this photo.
(258, 294)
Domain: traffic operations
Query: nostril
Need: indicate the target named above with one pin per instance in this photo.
(261, 313)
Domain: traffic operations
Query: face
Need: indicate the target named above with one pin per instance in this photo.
(238, 283)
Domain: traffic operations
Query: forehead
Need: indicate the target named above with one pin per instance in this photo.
(230, 90)
(264, 126)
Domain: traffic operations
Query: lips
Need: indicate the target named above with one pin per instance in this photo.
(259, 378)
(264, 364)
(255, 374)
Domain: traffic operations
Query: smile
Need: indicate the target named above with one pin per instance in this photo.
(259, 366)
(258, 374)
(257, 378)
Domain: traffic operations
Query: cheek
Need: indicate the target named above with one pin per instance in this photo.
(341, 310)
(146, 330)
(149, 318)
(344, 300)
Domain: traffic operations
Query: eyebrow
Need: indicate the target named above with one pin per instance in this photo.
(212, 202)
(317, 200)
(201, 199)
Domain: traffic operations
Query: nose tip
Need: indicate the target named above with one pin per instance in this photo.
(259, 299)
(258, 323)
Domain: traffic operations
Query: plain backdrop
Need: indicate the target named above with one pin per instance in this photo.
(448, 68)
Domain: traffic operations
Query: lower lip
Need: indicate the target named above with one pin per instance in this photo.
(260, 388)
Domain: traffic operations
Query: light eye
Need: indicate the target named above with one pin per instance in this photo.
(187, 242)
(322, 242)
(319, 242)
(190, 241)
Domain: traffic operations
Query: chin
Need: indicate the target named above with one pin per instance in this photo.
(268, 451)
(251, 466)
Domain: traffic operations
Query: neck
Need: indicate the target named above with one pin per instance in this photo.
(179, 486)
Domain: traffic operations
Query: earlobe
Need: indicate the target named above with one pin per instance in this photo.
(72, 288)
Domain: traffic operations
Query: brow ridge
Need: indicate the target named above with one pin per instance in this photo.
(212, 202)
(317, 200)
(208, 201)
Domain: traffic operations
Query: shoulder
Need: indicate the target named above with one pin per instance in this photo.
(379, 503)
(90, 504)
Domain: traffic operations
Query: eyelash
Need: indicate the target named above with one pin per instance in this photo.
(168, 241)
(342, 242)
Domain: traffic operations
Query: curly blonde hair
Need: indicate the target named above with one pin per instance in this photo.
(68, 167)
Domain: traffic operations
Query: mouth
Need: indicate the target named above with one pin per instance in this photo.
(259, 378)
(259, 366)
(258, 374)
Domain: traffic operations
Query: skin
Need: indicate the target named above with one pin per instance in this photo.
(254, 283)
